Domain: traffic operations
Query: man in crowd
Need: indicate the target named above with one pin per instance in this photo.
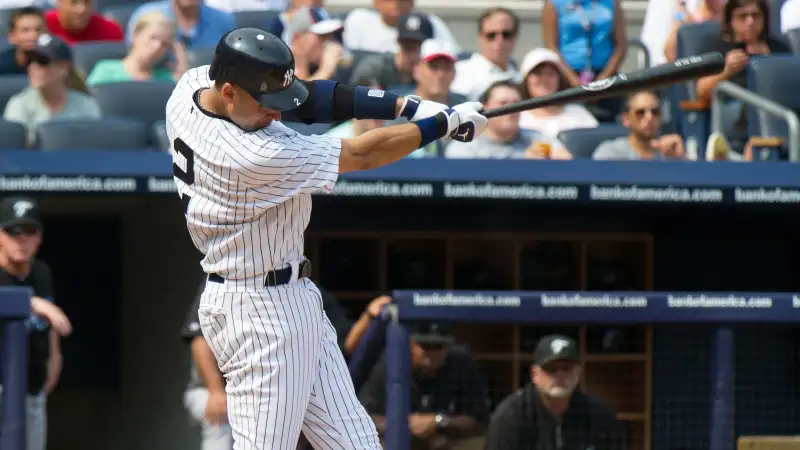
(396, 69)
(449, 398)
(76, 21)
(24, 28)
(497, 35)
(316, 54)
(197, 25)
(550, 413)
(642, 115)
(278, 25)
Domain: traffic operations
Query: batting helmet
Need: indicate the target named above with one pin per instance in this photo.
(261, 64)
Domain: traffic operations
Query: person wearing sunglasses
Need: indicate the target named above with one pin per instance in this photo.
(56, 89)
(20, 238)
(497, 37)
(642, 116)
(550, 412)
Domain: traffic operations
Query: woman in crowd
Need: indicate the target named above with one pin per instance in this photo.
(56, 89)
(544, 74)
(152, 44)
(707, 11)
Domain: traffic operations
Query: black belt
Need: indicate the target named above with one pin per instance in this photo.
(275, 277)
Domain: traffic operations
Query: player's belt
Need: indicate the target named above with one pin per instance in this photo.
(275, 277)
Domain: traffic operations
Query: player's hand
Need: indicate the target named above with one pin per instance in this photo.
(422, 426)
(415, 108)
(735, 61)
(217, 408)
(53, 314)
(471, 121)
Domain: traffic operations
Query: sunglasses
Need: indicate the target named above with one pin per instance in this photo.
(506, 34)
(639, 113)
(33, 57)
(22, 230)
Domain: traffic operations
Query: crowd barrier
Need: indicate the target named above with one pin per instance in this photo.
(16, 307)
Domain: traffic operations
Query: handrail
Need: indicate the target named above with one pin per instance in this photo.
(726, 88)
(644, 58)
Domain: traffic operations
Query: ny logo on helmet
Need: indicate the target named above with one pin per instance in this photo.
(287, 79)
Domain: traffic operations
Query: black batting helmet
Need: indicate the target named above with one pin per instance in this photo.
(261, 64)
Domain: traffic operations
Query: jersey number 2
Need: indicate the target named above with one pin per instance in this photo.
(187, 176)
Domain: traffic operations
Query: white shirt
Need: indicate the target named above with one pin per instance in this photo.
(232, 6)
(659, 20)
(364, 30)
(790, 15)
(248, 193)
(476, 74)
(572, 116)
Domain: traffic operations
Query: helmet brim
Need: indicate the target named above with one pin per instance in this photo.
(286, 99)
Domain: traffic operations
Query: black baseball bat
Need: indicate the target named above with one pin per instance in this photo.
(682, 69)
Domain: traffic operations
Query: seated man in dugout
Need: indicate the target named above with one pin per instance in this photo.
(449, 398)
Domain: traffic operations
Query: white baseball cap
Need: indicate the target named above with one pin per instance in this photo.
(537, 57)
(434, 48)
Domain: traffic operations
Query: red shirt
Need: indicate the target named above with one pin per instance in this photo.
(98, 29)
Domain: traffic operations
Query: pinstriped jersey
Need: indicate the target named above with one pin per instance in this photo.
(246, 195)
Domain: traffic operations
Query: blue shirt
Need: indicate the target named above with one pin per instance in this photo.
(585, 23)
(210, 27)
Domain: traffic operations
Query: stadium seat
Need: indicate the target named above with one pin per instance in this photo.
(88, 54)
(774, 78)
(200, 56)
(793, 38)
(120, 13)
(158, 135)
(582, 142)
(775, 17)
(92, 134)
(141, 100)
(255, 19)
(9, 86)
(5, 17)
(14, 136)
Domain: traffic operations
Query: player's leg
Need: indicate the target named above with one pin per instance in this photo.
(267, 344)
(335, 419)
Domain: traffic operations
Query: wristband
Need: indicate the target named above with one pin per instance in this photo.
(432, 128)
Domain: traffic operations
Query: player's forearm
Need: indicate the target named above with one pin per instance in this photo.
(382, 146)
(207, 365)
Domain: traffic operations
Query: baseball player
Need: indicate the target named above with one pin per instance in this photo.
(246, 181)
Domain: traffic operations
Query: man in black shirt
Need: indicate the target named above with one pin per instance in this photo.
(449, 398)
(24, 28)
(549, 414)
(20, 238)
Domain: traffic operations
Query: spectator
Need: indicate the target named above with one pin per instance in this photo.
(746, 32)
(497, 35)
(375, 30)
(544, 74)
(396, 69)
(356, 333)
(153, 39)
(503, 137)
(278, 24)
(20, 238)
(197, 25)
(316, 54)
(708, 10)
(75, 21)
(24, 27)
(449, 401)
(790, 15)
(642, 115)
(56, 89)
(357, 127)
(550, 412)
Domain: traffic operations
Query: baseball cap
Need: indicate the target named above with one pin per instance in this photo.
(432, 333)
(314, 20)
(555, 347)
(51, 48)
(536, 57)
(414, 26)
(433, 49)
(19, 211)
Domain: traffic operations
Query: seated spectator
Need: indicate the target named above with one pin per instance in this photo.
(153, 39)
(708, 10)
(544, 74)
(745, 29)
(197, 25)
(395, 69)
(278, 25)
(24, 27)
(503, 137)
(551, 412)
(56, 89)
(497, 35)
(449, 401)
(357, 127)
(75, 21)
(375, 29)
(316, 54)
(790, 16)
(642, 115)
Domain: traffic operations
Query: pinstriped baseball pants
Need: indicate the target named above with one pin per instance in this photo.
(284, 370)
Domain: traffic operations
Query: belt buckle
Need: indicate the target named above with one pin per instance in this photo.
(272, 279)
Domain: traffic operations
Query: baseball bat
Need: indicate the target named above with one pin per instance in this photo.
(682, 69)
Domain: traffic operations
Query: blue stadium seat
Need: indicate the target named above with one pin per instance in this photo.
(92, 134)
(14, 136)
(775, 17)
(774, 78)
(9, 86)
(87, 54)
(200, 56)
(158, 135)
(254, 19)
(5, 17)
(343, 72)
(120, 13)
(793, 38)
(141, 100)
(582, 142)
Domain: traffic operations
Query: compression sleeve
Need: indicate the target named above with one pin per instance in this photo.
(330, 101)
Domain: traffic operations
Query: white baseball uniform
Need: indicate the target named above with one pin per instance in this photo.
(247, 198)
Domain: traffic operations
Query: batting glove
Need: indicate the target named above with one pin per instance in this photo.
(414, 108)
(471, 121)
